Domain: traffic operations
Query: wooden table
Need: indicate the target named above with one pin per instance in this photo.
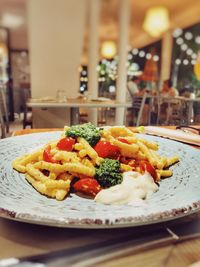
(20, 239)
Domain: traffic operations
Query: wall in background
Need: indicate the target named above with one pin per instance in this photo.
(55, 41)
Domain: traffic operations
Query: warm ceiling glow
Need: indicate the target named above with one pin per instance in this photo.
(156, 21)
(108, 49)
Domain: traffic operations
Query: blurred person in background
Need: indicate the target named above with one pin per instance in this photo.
(168, 90)
(166, 108)
(133, 86)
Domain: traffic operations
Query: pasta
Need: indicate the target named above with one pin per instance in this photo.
(51, 170)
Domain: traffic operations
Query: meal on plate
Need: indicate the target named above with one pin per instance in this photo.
(114, 165)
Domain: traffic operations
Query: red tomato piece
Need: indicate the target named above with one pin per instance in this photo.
(47, 155)
(123, 140)
(66, 143)
(88, 186)
(105, 149)
(146, 166)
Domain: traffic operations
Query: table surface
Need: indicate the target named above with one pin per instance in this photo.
(76, 103)
(19, 239)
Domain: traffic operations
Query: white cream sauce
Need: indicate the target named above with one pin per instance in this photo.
(134, 187)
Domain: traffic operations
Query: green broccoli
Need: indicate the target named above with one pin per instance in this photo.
(108, 173)
(87, 131)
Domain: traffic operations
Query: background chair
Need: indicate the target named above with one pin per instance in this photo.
(3, 126)
(137, 114)
(4, 110)
(27, 118)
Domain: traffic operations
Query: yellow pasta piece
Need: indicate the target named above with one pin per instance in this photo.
(130, 139)
(87, 163)
(41, 187)
(60, 194)
(171, 161)
(66, 156)
(120, 131)
(164, 173)
(90, 151)
(82, 153)
(37, 174)
(127, 150)
(70, 167)
(58, 184)
(149, 144)
(52, 176)
(78, 146)
(16, 164)
(31, 157)
(147, 153)
(125, 167)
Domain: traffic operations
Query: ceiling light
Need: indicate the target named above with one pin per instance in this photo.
(135, 51)
(188, 36)
(12, 21)
(189, 52)
(108, 49)
(197, 39)
(177, 32)
(141, 53)
(178, 61)
(194, 56)
(130, 56)
(156, 58)
(184, 47)
(179, 41)
(148, 56)
(156, 21)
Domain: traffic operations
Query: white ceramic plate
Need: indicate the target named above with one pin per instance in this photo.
(177, 196)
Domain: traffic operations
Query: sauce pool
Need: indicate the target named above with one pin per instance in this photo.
(134, 187)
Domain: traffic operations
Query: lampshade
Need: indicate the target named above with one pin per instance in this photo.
(108, 49)
(156, 21)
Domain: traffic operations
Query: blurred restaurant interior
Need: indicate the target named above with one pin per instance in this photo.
(105, 61)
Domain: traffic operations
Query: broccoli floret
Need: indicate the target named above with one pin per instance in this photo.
(87, 131)
(108, 173)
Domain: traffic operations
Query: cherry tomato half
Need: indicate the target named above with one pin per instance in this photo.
(105, 149)
(89, 186)
(66, 143)
(47, 155)
(146, 166)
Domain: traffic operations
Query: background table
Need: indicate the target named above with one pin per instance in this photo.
(20, 239)
(75, 105)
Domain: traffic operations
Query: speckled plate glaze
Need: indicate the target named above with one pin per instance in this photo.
(178, 195)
